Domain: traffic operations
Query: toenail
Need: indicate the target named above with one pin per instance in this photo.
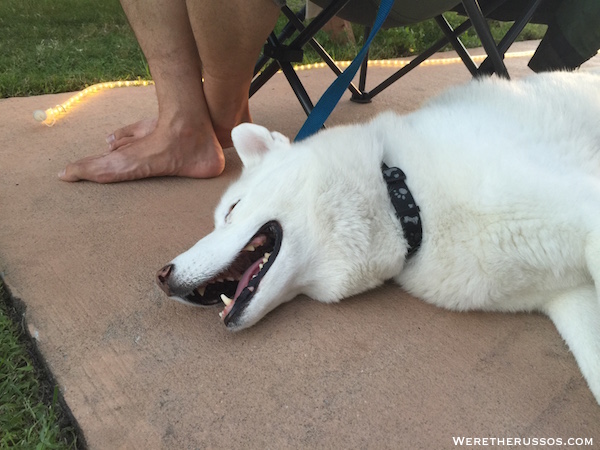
(110, 139)
(61, 173)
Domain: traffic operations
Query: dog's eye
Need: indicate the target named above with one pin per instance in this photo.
(230, 209)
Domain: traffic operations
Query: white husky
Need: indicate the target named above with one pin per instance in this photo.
(507, 179)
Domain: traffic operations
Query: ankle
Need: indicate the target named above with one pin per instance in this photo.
(223, 128)
(183, 125)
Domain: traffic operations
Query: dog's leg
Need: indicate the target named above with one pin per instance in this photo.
(576, 314)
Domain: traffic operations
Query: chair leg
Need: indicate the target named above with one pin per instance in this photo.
(437, 46)
(305, 36)
(288, 30)
(485, 35)
(363, 96)
(414, 63)
(317, 23)
(326, 57)
(513, 32)
(297, 87)
(457, 44)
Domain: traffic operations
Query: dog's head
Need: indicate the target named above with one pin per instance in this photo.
(291, 224)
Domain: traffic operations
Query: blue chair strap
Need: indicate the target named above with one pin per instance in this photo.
(332, 95)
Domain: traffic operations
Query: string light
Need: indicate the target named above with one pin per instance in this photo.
(403, 62)
(50, 115)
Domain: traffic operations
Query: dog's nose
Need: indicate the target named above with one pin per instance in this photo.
(162, 277)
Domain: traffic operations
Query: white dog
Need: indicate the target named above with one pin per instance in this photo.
(506, 180)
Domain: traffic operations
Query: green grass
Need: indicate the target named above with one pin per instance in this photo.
(30, 415)
(51, 46)
(412, 40)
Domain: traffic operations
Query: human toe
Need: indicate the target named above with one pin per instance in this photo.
(130, 133)
(118, 143)
(100, 169)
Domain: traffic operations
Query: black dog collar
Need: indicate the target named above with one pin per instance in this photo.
(405, 206)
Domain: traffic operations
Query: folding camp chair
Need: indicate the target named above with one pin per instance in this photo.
(287, 47)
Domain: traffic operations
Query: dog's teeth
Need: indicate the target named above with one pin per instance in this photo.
(267, 255)
(251, 288)
(248, 248)
(226, 299)
(221, 314)
(201, 290)
(260, 266)
(230, 279)
(219, 280)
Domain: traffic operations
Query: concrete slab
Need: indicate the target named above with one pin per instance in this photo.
(381, 370)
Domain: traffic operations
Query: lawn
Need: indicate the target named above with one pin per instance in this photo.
(51, 46)
(30, 414)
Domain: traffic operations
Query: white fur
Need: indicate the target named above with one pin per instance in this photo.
(507, 176)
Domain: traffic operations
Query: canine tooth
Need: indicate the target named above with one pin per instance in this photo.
(230, 279)
(226, 299)
(219, 280)
(249, 248)
(201, 290)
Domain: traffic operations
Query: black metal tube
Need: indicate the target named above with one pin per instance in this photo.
(297, 87)
(457, 44)
(485, 35)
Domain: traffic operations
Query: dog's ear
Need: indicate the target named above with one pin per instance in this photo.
(252, 142)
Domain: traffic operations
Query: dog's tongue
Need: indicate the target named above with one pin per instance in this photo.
(244, 280)
(246, 277)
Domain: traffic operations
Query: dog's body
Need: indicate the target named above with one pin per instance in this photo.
(507, 178)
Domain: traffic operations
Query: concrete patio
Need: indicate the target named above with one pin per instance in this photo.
(380, 370)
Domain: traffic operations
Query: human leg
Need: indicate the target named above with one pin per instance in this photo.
(229, 36)
(182, 141)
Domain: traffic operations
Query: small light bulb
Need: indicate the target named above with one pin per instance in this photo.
(39, 115)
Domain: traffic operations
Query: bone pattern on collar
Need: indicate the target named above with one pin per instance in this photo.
(405, 206)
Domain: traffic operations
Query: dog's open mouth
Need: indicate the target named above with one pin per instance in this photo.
(237, 284)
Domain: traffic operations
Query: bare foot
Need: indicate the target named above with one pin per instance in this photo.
(131, 133)
(143, 128)
(187, 152)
